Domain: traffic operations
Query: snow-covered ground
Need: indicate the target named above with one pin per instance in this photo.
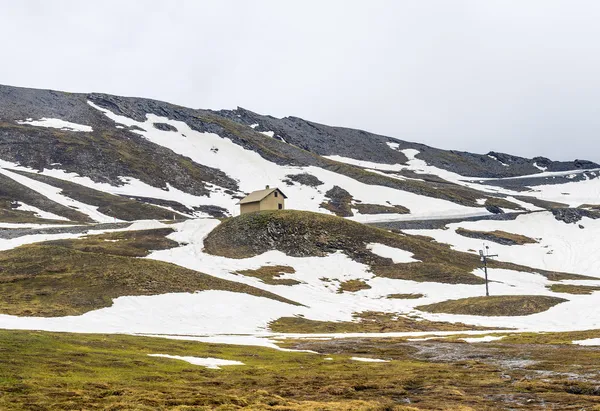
(560, 247)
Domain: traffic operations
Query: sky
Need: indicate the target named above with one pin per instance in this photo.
(515, 76)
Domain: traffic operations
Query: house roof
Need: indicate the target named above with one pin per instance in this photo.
(255, 196)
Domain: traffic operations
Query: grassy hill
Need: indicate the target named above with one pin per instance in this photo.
(302, 233)
(71, 277)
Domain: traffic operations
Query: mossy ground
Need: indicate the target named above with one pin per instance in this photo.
(493, 306)
(55, 371)
(573, 289)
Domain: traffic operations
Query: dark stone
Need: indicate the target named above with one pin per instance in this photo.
(339, 202)
(164, 127)
(494, 209)
(304, 178)
(573, 215)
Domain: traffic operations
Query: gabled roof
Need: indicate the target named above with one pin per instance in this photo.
(255, 196)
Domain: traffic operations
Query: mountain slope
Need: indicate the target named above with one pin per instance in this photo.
(73, 164)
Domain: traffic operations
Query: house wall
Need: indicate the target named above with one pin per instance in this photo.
(271, 202)
(249, 207)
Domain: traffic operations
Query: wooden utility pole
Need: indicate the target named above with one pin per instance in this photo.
(484, 256)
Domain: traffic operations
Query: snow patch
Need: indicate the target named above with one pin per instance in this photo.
(365, 359)
(397, 255)
(208, 362)
(57, 123)
(40, 213)
(589, 341)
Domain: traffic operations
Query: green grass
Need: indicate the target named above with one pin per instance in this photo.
(70, 277)
(270, 274)
(573, 289)
(59, 371)
(494, 306)
(551, 338)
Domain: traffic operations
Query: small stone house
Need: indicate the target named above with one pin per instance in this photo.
(267, 199)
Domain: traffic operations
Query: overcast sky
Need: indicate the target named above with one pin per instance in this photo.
(518, 76)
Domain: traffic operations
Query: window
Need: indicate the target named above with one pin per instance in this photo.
(280, 206)
(275, 193)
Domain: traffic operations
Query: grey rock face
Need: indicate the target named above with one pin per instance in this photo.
(494, 209)
(573, 215)
(361, 145)
(164, 127)
(304, 179)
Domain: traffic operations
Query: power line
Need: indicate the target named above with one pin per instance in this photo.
(484, 256)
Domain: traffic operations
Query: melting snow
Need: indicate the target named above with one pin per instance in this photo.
(590, 341)
(40, 213)
(208, 362)
(57, 123)
(364, 359)
(55, 194)
(397, 255)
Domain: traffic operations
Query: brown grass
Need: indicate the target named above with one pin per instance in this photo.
(405, 296)
(573, 289)
(366, 322)
(502, 203)
(71, 277)
(270, 274)
(494, 306)
(353, 286)
(302, 233)
(498, 236)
